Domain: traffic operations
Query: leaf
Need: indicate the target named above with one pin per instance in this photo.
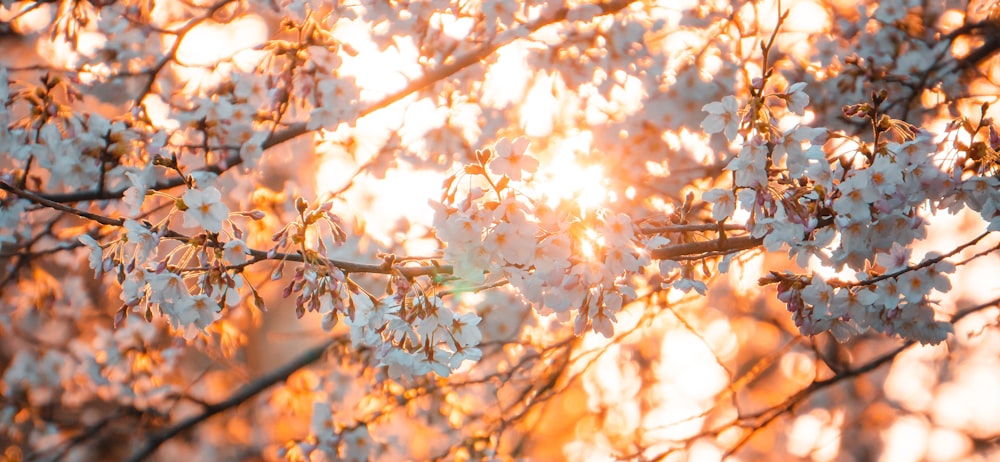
(447, 195)
(502, 184)
(473, 169)
(484, 156)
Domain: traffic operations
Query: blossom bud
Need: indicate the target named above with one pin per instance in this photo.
(879, 96)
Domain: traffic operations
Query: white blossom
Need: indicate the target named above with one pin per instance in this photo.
(722, 117)
(511, 158)
(236, 251)
(205, 209)
(796, 98)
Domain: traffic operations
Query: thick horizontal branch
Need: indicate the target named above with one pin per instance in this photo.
(727, 245)
(690, 228)
(353, 267)
(258, 255)
(53, 204)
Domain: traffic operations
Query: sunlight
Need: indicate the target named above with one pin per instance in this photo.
(506, 79)
(398, 210)
(211, 50)
(453, 26)
(377, 72)
(540, 107)
(817, 434)
(565, 178)
(587, 248)
(807, 17)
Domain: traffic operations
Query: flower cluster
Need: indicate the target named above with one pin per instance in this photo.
(184, 186)
(857, 210)
(558, 262)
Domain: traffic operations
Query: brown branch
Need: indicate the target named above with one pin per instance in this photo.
(727, 245)
(259, 255)
(690, 228)
(42, 200)
(242, 395)
(353, 267)
(925, 263)
(87, 433)
(763, 418)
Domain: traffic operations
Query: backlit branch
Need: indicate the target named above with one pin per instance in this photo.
(714, 246)
(242, 395)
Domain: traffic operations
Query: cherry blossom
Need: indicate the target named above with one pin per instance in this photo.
(723, 203)
(723, 117)
(95, 257)
(142, 239)
(193, 313)
(796, 98)
(512, 158)
(365, 230)
(236, 251)
(205, 208)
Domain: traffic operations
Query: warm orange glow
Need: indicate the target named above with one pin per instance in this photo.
(566, 178)
(587, 347)
(377, 72)
(210, 51)
(817, 434)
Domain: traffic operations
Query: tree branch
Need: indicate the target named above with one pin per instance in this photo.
(258, 255)
(42, 200)
(727, 245)
(763, 418)
(248, 391)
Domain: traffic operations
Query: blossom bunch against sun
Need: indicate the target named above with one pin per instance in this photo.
(539, 251)
(499, 230)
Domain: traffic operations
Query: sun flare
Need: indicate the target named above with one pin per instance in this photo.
(566, 177)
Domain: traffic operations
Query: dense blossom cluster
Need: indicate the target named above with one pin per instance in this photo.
(171, 191)
(851, 211)
(558, 262)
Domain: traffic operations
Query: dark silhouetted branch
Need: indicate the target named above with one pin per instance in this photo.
(242, 395)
